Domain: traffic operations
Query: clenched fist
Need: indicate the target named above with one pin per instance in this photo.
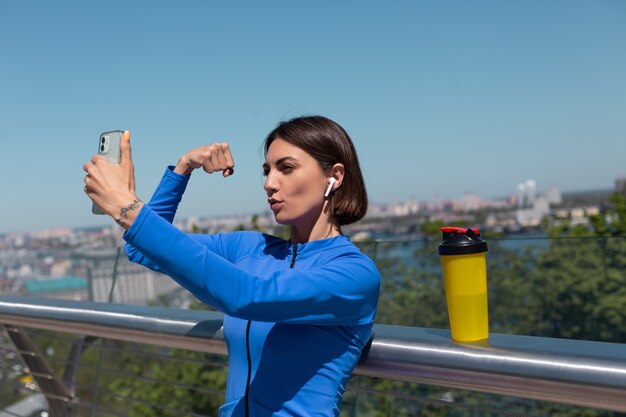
(211, 158)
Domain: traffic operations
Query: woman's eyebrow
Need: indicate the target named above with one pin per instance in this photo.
(282, 161)
(286, 159)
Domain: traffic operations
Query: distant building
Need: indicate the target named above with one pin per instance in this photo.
(532, 207)
(5, 285)
(620, 185)
(531, 217)
(526, 193)
(134, 284)
(471, 202)
(553, 195)
(69, 288)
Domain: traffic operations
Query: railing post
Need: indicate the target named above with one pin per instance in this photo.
(96, 382)
(58, 396)
(71, 368)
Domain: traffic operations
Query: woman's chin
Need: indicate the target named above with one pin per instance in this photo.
(281, 219)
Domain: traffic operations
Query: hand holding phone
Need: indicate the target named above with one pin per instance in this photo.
(110, 179)
(109, 148)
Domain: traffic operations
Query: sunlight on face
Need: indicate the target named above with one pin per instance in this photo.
(295, 184)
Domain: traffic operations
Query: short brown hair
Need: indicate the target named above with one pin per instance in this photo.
(329, 144)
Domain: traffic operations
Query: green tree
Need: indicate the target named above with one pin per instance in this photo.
(162, 387)
(570, 288)
(581, 278)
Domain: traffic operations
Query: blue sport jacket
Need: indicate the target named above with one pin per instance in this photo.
(297, 316)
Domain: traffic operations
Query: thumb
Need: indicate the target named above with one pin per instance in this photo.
(125, 151)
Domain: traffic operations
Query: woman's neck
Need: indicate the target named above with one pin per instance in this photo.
(323, 228)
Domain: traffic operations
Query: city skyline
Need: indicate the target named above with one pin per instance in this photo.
(439, 99)
(467, 203)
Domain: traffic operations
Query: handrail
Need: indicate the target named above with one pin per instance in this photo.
(583, 373)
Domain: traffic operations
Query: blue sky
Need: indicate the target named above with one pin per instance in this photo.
(440, 98)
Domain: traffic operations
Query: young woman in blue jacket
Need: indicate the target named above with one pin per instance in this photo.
(297, 312)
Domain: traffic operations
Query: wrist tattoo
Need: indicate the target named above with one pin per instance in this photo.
(124, 210)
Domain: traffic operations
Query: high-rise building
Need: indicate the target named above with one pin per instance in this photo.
(526, 193)
(620, 185)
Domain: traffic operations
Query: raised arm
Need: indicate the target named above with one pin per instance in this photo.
(112, 186)
(343, 291)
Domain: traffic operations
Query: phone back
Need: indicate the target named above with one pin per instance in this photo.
(109, 145)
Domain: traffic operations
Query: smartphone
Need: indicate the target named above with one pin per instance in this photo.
(109, 148)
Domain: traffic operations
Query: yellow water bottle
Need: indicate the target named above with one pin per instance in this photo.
(463, 260)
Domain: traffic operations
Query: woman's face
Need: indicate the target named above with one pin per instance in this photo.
(295, 184)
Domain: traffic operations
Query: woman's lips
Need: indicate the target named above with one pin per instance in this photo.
(275, 204)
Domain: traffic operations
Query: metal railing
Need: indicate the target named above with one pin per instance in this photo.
(582, 373)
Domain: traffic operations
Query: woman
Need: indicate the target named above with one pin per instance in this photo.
(297, 313)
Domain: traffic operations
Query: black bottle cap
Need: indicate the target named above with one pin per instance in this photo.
(461, 241)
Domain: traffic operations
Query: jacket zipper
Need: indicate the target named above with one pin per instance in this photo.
(248, 356)
(249, 368)
(295, 253)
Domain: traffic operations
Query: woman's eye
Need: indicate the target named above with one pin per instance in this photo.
(284, 169)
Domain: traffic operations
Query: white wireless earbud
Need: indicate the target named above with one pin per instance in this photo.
(332, 182)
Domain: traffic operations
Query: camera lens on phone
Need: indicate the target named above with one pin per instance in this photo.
(101, 148)
(103, 139)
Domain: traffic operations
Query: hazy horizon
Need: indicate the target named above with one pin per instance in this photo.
(98, 225)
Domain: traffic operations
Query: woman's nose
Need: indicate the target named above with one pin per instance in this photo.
(270, 184)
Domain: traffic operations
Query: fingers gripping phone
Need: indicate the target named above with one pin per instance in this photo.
(109, 148)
